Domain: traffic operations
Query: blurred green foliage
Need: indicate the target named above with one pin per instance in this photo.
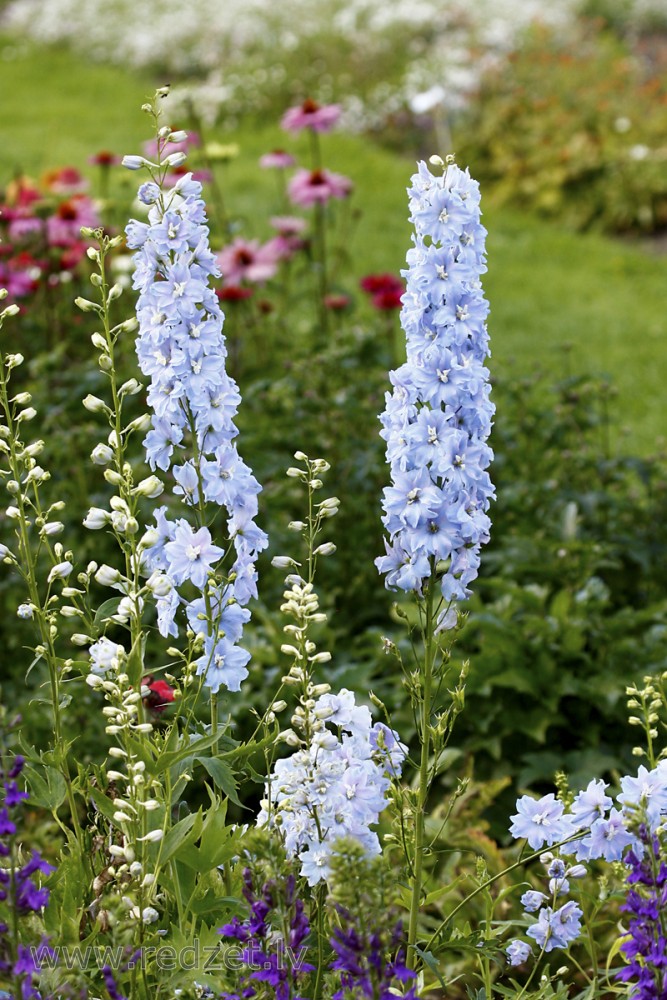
(574, 128)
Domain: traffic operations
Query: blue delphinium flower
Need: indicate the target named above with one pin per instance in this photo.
(518, 952)
(336, 786)
(438, 418)
(181, 348)
(540, 821)
(557, 928)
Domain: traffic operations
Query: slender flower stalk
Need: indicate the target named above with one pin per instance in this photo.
(181, 348)
(436, 424)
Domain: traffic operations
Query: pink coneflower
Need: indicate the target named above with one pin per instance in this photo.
(248, 260)
(288, 241)
(310, 186)
(66, 181)
(288, 225)
(277, 159)
(64, 227)
(23, 225)
(310, 114)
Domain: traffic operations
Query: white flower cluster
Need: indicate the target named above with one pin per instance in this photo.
(333, 786)
(253, 38)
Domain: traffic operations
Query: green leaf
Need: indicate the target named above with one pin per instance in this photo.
(168, 759)
(222, 775)
(135, 661)
(102, 802)
(428, 958)
(106, 610)
(185, 832)
(48, 791)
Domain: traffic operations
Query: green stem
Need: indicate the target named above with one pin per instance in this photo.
(422, 791)
(494, 878)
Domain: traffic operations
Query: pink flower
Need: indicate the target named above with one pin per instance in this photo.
(276, 159)
(247, 260)
(23, 226)
(64, 226)
(288, 225)
(66, 181)
(310, 186)
(310, 114)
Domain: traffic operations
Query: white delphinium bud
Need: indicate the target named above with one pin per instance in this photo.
(94, 404)
(60, 571)
(284, 562)
(37, 475)
(13, 513)
(79, 639)
(101, 454)
(115, 851)
(296, 525)
(26, 611)
(153, 837)
(149, 915)
(96, 518)
(6, 554)
(67, 611)
(175, 159)
(130, 387)
(142, 423)
(112, 477)
(149, 538)
(326, 549)
(150, 487)
(28, 414)
(136, 869)
(323, 657)
(107, 576)
(148, 880)
(159, 584)
(52, 528)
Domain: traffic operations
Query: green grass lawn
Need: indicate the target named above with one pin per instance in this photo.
(548, 287)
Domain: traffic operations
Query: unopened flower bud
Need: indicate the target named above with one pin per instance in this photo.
(85, 305)
(94, 404)
(101, 454)
(149, 487)
(107, 576)
(60, 571)
(96, 518)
